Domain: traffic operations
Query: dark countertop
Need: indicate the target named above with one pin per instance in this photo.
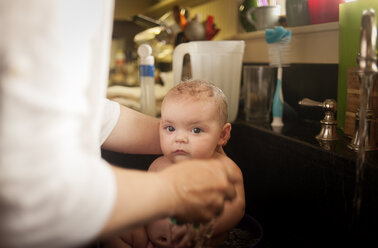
(301, 192)
(305, 131)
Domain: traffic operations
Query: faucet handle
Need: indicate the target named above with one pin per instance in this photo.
(328, 130)
(329, 105)
(309, 102)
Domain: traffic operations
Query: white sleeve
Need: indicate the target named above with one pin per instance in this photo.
(55, 190)
(110, 118)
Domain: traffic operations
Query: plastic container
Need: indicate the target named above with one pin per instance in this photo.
(217, 61)
(258, 89)
(147, 80)
(322, 11)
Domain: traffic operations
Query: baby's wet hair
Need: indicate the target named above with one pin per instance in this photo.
(202, 90)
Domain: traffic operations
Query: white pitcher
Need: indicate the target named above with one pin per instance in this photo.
(217, 61)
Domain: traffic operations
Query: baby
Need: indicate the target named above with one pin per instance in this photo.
(193, 126)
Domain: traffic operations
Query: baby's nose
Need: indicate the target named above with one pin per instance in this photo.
(182, 138)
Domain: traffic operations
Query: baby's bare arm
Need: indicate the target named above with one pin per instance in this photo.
(234, 210)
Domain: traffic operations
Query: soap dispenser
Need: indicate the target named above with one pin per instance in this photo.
(147, 80)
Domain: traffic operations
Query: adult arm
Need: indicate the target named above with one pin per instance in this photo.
(183, 191)
(134, 133)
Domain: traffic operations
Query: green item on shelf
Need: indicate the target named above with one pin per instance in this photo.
(350, 14)
(244, 7)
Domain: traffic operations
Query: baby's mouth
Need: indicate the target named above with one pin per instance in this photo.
(180, 152)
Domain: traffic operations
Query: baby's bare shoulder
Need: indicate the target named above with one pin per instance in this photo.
(159, 164)
(228, 161)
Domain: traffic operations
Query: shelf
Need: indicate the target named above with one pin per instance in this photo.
(157, 10)
(309, 29)
(309, 44)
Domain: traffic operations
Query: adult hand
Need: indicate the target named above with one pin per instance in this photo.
(200, 188)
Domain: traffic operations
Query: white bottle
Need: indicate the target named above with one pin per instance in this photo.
(147, 80)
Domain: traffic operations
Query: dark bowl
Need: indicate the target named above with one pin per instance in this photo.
(247, 234)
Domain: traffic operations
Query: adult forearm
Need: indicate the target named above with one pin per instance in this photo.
(134, 133)
(183, 191)
(141, 197)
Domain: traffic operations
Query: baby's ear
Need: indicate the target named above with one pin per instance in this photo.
(225, 134)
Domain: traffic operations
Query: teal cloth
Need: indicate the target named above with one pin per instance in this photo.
(277, 34)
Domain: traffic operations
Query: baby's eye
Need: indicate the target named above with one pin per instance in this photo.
(196, 130)
(163, 239)
(170, 129)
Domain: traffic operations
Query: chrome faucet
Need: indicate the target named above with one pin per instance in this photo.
(328, 124)
(367, 62)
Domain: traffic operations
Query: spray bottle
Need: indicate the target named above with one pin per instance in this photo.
(147, 80)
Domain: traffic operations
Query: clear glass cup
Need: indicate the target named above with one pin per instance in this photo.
(259, 83)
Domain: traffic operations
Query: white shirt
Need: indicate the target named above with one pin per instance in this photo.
(55, 190)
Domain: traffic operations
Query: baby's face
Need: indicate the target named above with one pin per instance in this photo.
(189, 129)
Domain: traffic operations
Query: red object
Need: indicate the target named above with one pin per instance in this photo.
(212, 34)
(322, 11)
(211, 30)
(183, 22)
(209, 24)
